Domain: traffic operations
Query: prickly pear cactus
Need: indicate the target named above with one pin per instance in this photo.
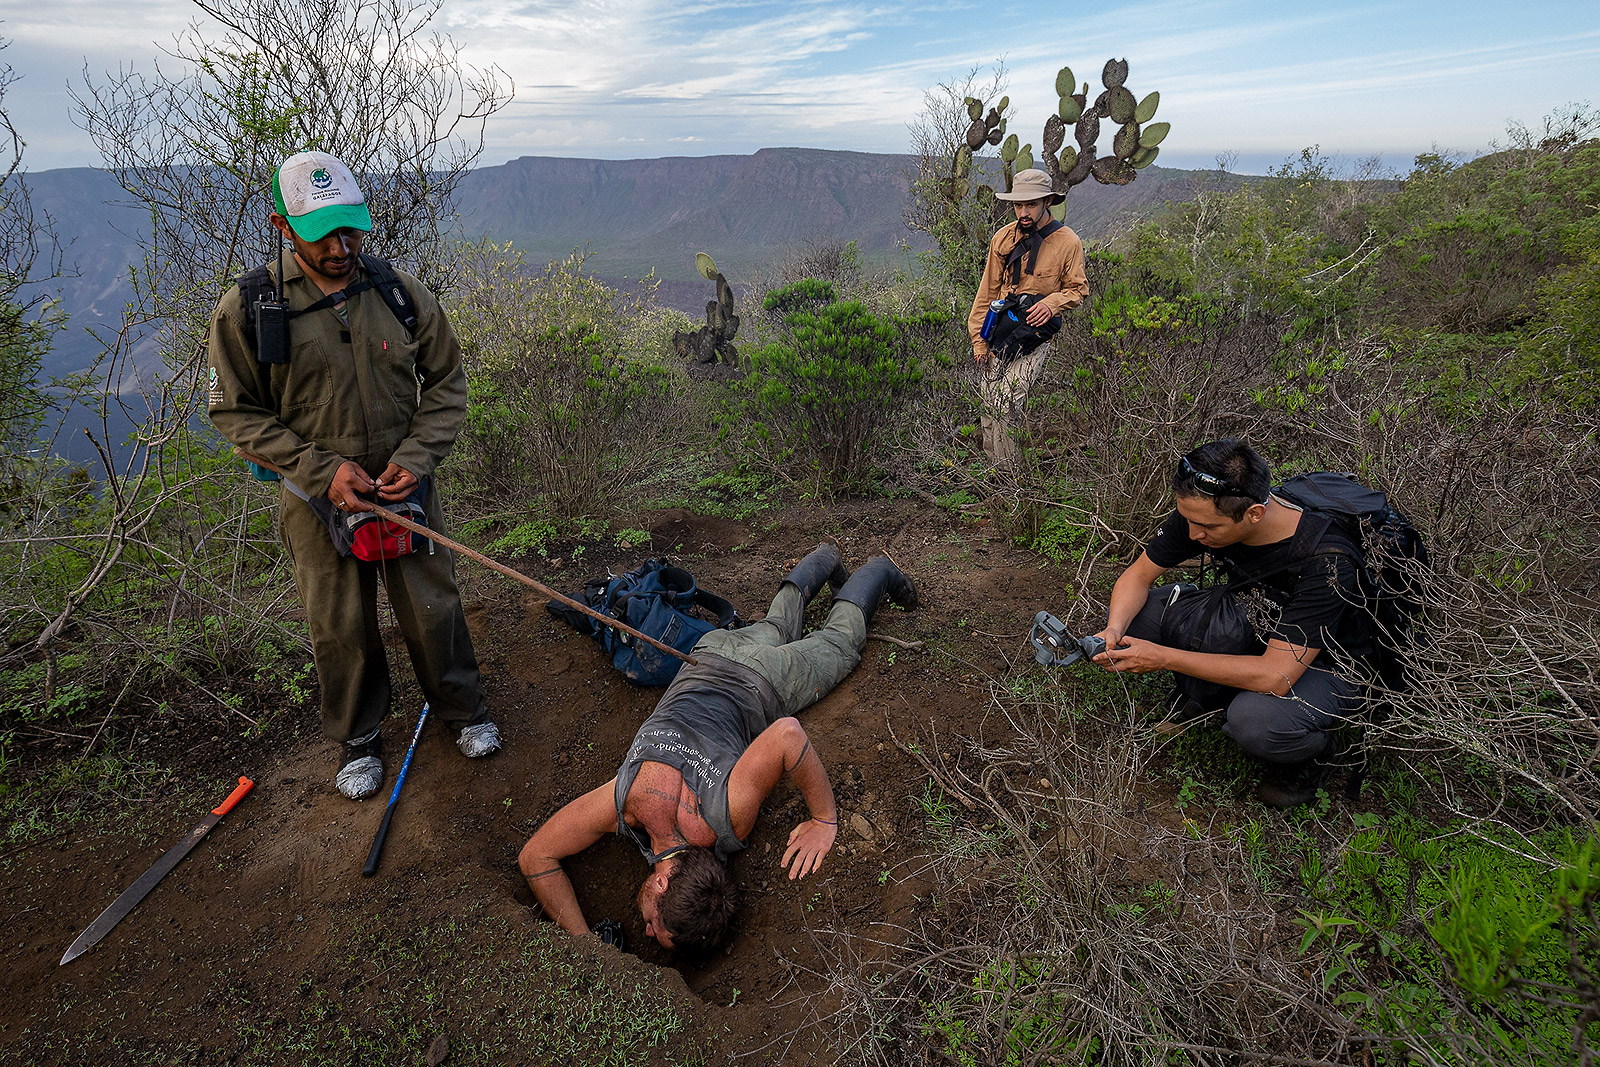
(1133, 145)
(714, 340)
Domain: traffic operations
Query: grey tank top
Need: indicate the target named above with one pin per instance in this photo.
(701, 726)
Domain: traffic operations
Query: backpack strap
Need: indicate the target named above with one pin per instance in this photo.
(727, 616)
(257, 283)
(392, 290)
(1028, 246)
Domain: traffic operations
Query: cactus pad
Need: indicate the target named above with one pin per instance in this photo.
(1115, 74)
(1055, 132)
(963, 162)
(1069, 159)
(1025, 157)
(975, 134)
(1080, 169)
(1008, 150)
(1088, 129)
(1071, 109)
(1126, 142)
(996, 134)
(974, 108)
(1144, 157)
(707, 268)
(1109, 170)
(1147, 108)
(1154, 134)
(1120, 104)
(1065, 82)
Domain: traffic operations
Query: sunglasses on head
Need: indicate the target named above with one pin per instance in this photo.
(1209, 484)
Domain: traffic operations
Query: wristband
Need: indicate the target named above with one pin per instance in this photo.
(825, 822)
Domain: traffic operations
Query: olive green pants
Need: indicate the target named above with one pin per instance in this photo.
(801, 670)
(340, 594)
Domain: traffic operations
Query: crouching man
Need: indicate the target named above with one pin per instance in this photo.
(721, 737)
(1284, 688)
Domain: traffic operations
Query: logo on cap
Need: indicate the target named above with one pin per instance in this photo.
(321, 178)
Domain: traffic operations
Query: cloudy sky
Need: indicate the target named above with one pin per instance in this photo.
(646, 78)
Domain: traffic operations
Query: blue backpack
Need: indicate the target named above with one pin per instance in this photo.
(655, 598)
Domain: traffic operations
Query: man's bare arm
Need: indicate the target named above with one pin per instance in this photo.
(783, 749)
(1128, 595)
(568, 832)
(1273, 671)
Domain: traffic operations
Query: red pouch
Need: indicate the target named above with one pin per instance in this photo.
(367, 536)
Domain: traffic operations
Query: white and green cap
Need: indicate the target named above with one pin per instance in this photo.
(318, 194)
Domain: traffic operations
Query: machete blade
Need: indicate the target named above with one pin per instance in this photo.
(130, 898)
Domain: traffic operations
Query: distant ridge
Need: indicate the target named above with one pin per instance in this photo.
(747, 211)
(634, 215)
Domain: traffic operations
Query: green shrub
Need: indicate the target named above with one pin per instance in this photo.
(820, 402)
(574, 400)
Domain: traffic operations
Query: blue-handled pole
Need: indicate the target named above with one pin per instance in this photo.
(388, 813)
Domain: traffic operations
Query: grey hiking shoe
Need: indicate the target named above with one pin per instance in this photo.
(360, 767)
(479, 739)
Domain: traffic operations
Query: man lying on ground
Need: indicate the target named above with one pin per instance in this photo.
(690, 788)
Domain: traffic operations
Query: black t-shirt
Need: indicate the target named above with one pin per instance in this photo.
(1320, 597)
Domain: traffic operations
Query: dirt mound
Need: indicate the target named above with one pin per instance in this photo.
(267, 945)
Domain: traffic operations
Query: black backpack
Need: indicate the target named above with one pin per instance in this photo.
(1390, 556)
(654, 598)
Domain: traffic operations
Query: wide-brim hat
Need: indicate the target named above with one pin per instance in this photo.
(318, 194)
(1031, 185)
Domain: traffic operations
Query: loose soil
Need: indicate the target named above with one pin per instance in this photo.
(268, 929)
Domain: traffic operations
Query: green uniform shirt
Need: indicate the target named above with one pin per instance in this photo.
(368, 392)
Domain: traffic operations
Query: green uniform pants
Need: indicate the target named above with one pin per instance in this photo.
(340, 594)
(801, 670)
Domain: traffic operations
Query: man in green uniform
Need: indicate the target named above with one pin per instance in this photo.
(363, 407)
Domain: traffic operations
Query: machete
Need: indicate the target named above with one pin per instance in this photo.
(147, 881)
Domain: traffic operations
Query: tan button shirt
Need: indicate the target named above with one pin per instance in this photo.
(381, 396)
(1058, 277)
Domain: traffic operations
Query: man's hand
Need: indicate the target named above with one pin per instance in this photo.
(1039, 314)
(808, 843)
(349, 483)
(1134, 656)
(980, 358)
(1112, 637)
(396, 483)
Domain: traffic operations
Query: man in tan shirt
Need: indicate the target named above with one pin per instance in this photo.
(1038, 255)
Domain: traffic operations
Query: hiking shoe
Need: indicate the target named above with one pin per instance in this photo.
(1288, 785)
(1184, 711)
(360, 767)
(479, 739)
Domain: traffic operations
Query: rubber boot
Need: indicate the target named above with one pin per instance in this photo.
(874, 579)
(822, 565)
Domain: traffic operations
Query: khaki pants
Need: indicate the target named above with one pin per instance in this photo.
(340, 594)
(1002, 392)
(801, 670)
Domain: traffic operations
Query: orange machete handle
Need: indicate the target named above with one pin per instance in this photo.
(245, 785)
